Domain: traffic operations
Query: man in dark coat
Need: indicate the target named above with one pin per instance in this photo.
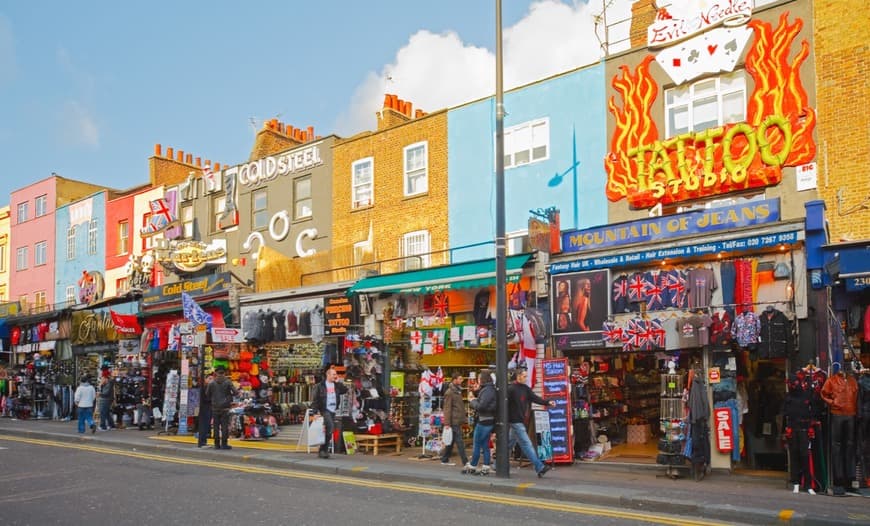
(221, 392)
(326, 398)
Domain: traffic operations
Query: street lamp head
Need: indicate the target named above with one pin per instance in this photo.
(556, 180)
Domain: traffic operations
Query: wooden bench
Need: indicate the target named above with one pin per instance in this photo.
(373, 442)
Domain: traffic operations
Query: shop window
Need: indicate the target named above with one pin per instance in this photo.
(363, 190)
(148, 241)
(123, 237)
(41, 205)
(92, 237)
(259, 206)
(302, 198)
(71, 243)
(70, 295)
(706, 104)
(416, 168)
(121, 285)
(526, 143)
(40, 253)
(415, 250)
(23, 212)
(21, 257)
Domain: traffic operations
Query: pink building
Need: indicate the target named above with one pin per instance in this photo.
(32, 239)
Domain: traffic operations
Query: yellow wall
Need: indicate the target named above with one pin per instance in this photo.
(4, 253)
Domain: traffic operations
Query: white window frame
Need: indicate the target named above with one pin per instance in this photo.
(186, 221)
(263, 210)
(416, 178)
(40, 253)
(71, 243)
(536, 146)
(687, 98)
(70, 294)
(360, 249)
(514, 242)
(39, 298)
(415, 248)
(21, 257)
(218, 206)
(358, 189)
(41, 205)
(92, 237)
(23, 212)
(303, 205)
(123, 237)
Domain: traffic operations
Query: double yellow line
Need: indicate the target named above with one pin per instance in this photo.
(490, 498)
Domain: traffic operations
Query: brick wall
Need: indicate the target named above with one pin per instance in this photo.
(174, 166)
(392, 215)
(643, 14)
(842, 55)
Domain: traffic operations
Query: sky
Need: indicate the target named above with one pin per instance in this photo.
(88, 88)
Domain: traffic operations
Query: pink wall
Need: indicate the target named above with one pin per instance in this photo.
(32, 231)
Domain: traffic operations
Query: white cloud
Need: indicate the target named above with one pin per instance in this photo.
(436, 71)
(7, 52)
(77, 126)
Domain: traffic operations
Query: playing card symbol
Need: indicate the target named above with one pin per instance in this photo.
(731, 47)
(712, 48)
(693, 56)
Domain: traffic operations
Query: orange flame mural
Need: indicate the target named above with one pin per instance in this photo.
(777, 132)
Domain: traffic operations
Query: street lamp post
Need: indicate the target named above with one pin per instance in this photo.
(556, 180)
(502, 460)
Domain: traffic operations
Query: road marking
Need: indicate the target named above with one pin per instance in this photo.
(508, 500)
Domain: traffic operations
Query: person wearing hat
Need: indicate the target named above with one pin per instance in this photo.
(520, 397)
(221, 392)
(84, 398)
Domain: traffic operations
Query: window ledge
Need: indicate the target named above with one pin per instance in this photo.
(415, 196)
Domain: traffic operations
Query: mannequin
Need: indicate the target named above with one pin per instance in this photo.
(840, 392)
(802, 410)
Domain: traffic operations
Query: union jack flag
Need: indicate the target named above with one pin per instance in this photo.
(636, 287)
(620, 289)
(440, 305)
(653, 291)
(162, 217)
(677, 288)
(631, 335)
(657, 332)
(612, 333)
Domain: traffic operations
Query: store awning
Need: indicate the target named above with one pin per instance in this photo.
(470, 274)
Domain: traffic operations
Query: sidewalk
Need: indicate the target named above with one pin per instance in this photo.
(720, 496)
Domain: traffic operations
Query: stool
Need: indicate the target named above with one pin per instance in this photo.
(373, 442)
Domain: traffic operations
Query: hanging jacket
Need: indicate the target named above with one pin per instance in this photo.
(864, 396)
(776, 339)
(745, 329)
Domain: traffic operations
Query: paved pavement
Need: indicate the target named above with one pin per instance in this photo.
(720, 496)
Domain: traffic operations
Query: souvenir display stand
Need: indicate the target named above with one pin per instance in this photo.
(673, 425)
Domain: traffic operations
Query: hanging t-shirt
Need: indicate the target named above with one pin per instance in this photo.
(672, 335)
(701, 283)
(689, 331)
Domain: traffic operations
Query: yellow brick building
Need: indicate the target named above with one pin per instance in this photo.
(4, 253)
(842, 56)
(390, 191)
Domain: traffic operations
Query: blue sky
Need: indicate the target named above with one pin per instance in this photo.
(88, 88)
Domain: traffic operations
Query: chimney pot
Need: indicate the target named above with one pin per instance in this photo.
(179, 156)
(394, 101)
(419, 113)
(217, 167)
(387, 100)
(158, 150)
(170, 152)
(189, 158)
(199, 161)
(311, 133)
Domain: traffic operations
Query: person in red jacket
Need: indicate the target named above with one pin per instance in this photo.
(840, 392)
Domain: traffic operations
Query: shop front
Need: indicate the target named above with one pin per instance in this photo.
(434, 324)
(174, 349)
(705, 304)
(288, 336)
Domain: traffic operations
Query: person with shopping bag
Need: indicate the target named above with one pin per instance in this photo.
(454, 417)
(325, 400)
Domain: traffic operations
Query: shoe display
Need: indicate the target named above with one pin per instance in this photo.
(544, 469)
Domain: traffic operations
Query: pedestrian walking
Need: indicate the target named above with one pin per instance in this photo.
(107, 400)
(221, 392)
(84, 398)
(203, 423)
(455, 415)
(485, 405)
(325, 400)
(520, 397)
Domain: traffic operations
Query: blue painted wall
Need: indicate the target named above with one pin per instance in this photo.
(574, 102)
(68, 271)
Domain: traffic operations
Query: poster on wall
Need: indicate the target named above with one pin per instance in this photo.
(580, 306)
